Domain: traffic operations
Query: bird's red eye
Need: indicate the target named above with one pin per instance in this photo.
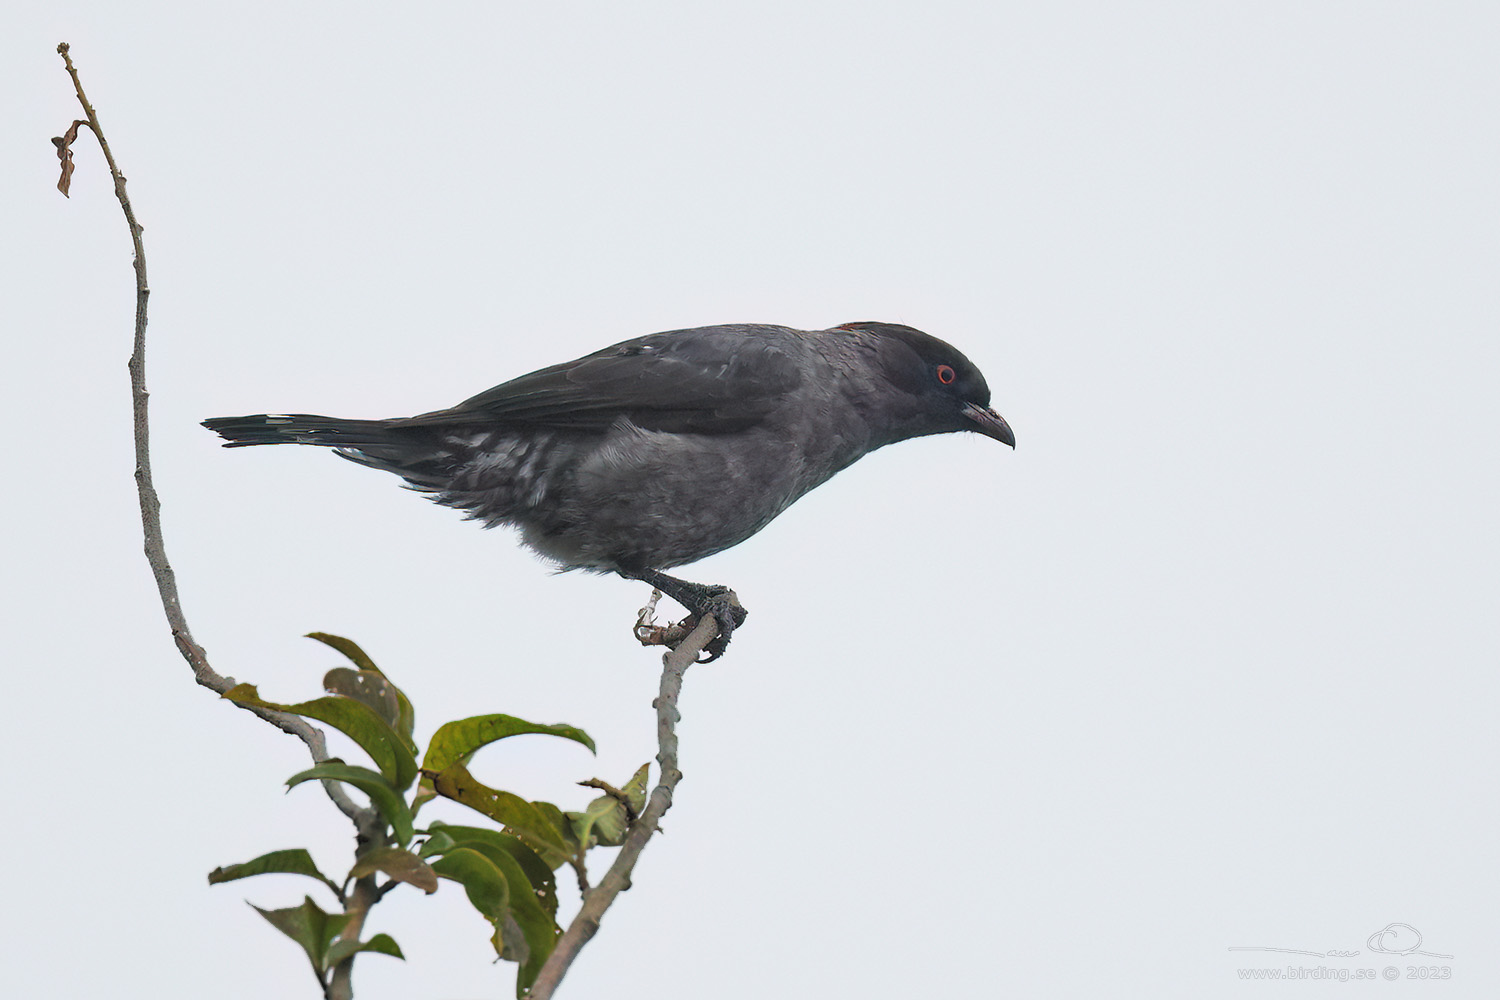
(946, 374)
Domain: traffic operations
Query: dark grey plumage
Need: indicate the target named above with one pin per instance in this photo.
(661, 450)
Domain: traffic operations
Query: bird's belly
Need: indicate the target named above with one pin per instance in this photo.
(650, 500)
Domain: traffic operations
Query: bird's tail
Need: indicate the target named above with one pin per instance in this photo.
(419, 455)
(302, 428)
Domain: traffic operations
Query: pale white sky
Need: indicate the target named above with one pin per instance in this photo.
(1209, 661)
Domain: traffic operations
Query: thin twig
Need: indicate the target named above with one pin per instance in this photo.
(580, 869)
(156, 553)
(617, 879)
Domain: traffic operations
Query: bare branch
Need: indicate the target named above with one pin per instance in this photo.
(156, 553)
(617, 879)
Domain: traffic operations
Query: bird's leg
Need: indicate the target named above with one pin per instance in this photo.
(700, 599)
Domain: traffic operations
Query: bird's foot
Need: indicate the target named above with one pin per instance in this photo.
(699, 599)
(648, 633)
(728, 615)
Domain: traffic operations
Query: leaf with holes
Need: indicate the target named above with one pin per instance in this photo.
(354, 719)
(456, 742)
(484, 883)
(515, 813)
(635, 788)
(405, 717)
(539, 877)
(564, 827)
(539, 930)
(376, 691)
(498, 887)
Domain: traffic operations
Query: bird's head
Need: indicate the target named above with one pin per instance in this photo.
(934, 389)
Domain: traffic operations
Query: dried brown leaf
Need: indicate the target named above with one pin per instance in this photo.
(64, 144)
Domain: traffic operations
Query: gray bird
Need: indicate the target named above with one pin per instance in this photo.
(664, 449)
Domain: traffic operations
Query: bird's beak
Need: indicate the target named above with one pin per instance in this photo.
(989, 423)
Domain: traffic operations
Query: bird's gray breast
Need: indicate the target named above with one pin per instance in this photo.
(633, 498)
(645, 499)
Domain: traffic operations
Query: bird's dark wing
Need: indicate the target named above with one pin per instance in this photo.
(712, 380)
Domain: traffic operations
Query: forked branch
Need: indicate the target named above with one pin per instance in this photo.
(597, 899)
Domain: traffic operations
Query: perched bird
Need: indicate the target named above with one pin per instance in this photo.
(664, 449)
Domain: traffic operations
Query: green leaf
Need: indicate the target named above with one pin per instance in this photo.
(607, 819)
(425, 794)
(509, 941)
(500, 889)
(455, 742)
(405, 716)
(437, 843)
(354, 719)
(374, 690)
(635, 788)
(348, 647)
(290, 862)
(598, 820)
(482, 881)
(403, 866)
(365, 686)
(310, 927)
(564, 828)
(382, 944)
(382, 796)
(537, 927)
(541, 934)
(539, 879)
(519, 816)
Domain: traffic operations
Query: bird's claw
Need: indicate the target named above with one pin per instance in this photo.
(720, 602)
(727, 614)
